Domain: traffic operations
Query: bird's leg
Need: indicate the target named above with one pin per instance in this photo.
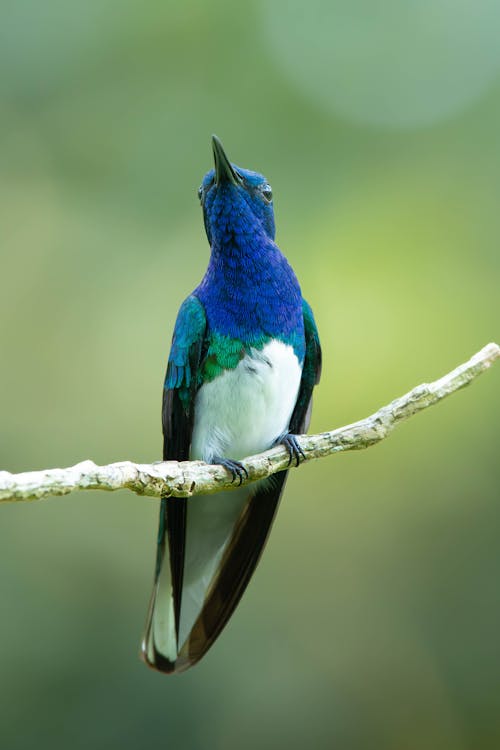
(292, 445)
(235, 467)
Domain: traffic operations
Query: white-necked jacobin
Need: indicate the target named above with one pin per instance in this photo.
(244, 360)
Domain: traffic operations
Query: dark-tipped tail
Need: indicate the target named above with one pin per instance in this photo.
(159, 645)
(225, 536)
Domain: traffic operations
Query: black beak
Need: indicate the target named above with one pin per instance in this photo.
(224, 172)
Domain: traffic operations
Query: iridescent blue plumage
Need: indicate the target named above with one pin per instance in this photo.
(244, 360)
(249, 291)
(189, 328)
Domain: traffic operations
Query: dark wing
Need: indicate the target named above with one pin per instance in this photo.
(181, 383)
(254, 524)
(311, 373)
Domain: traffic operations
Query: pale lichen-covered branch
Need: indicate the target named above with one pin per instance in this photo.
(196, 478)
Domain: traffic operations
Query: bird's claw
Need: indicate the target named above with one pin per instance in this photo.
(294, 450)
(235, 467)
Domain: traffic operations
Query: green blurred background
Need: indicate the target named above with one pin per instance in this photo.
(373, 620)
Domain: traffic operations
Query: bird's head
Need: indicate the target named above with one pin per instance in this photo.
(236, 202)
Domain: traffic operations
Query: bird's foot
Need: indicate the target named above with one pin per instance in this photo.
(291, 443)
(236, 468)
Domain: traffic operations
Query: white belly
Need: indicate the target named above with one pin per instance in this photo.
(243, 411)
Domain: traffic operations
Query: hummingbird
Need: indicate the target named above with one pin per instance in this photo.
(244, 359)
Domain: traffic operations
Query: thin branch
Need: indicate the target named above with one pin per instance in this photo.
(196, 478)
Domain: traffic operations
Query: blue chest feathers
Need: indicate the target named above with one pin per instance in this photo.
(251, 294)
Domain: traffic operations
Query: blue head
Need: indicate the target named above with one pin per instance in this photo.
(249, 291)
(236, 202)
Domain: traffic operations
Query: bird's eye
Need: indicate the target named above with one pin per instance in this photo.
(200, 194)
(267, 193)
